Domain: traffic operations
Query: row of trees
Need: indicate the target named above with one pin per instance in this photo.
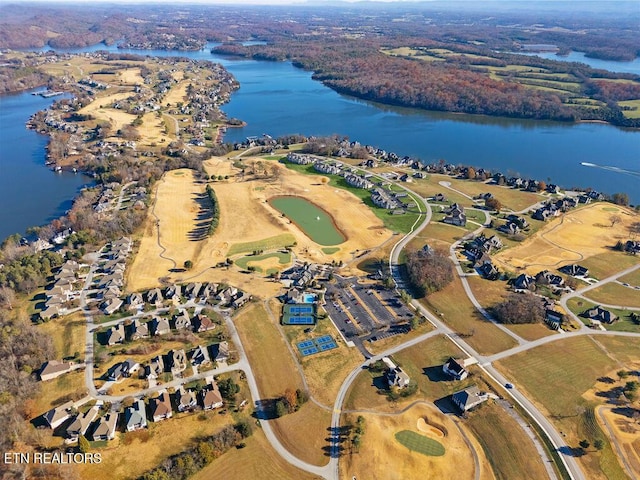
(215, 211)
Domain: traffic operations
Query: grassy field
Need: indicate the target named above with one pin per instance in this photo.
(632, 278)
(271, 243)
(67, 334)
(419, 443)
(613, 293)
(423, 364)
(634, 108)
(505, 444)
(59, 390)
(455, 309)
(556, 376)
(257, 461)
(304, 433)
(382, 457)
(623, 324)
(274, 369)
(572, 238)
(606, 264)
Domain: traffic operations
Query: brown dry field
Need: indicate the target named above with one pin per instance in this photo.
(571, 238)
(176, 94)
(304, 433)
(382, 457)
(176, 209)
(131, 76)
(257, 461)
(117, 118)
(613, 293)
(240, 200)
(627, 435)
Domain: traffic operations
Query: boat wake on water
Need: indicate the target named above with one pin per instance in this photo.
(634, 173)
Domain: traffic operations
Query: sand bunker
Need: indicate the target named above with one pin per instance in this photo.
(426, 427)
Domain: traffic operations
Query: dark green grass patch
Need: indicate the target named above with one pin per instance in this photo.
(419, 443)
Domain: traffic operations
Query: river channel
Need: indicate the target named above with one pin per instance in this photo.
(278, 98)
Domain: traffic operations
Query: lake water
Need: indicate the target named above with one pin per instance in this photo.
(30, 194)
(622, 67)
(278, 99)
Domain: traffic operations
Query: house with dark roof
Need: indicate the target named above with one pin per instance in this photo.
(155, 368)
(240, 299)
(192, 290)
(553, 319)
(489, 271)
(105, 428)
(600, 314)
(575, 270)
(454, 369)
(200, 356)
(469, 398)
(524, 282)
(154, 296)
(455, 216)
(545, 277)
(173, 292)
(176, 361)
(135, 416)
(160, 407)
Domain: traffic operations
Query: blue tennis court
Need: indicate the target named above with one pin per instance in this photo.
(324, 339)
(301, 320)
(317, 345)
(297, 309)
(309, 351)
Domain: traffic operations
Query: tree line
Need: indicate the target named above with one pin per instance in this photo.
(215, 211)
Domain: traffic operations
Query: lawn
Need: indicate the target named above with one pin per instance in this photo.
(454, 308)
(271, 243)
(419, 443)
(634, 108)
(509, 449)
(623, 324)
(257, 461)
(632, 278)
(556, 377)
(606, 264)
(59, 390)
(613, 293)
(423, 364)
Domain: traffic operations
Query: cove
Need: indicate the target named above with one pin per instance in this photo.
(314, 222)
(30, 193)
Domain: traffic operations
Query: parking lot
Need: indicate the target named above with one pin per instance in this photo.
(364, 310)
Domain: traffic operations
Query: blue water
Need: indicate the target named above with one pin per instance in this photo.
(277, 98)
(30, 193)
(620, 67)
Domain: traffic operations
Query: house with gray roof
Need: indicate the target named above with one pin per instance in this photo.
(454, 369)
(54, 368)
(111, 305)
(182, 320)
(160, 326)
(176, 361)
(105, 428)
(469, 398)
(200, 356)
(135, 416)
(58, 415)
(80, 424)
(115, 334)
(155, 367)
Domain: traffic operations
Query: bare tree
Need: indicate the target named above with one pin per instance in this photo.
(615, 219)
